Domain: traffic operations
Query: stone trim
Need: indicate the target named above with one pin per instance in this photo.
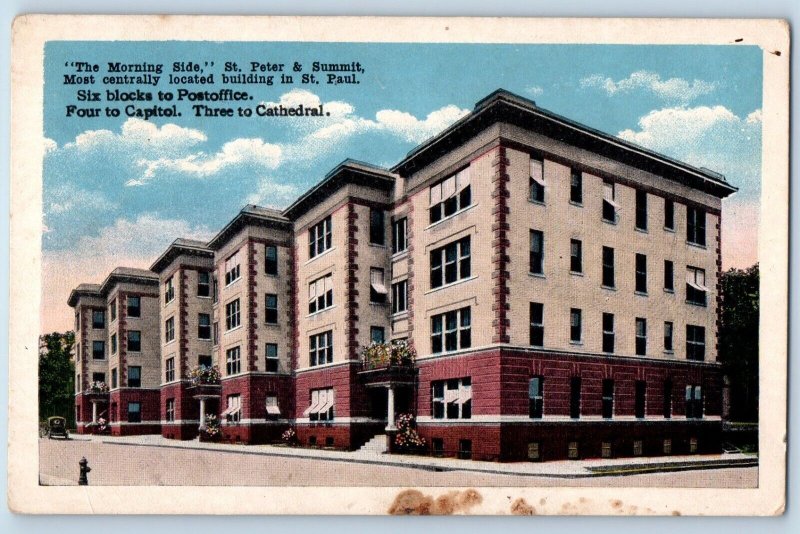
(410, 279)
(351, 282)
(122, 344)
(183, 323)
(252, 304)
(84, 349)
(500, 246)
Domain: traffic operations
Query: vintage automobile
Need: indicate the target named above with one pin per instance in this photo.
(57, 426)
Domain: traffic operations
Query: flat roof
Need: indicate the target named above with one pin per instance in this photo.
(83, 290)
(505, 106)
(180, 246)
(250, 214)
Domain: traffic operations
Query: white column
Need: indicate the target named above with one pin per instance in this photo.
(94, 412)
(202, 413)
(390, 409)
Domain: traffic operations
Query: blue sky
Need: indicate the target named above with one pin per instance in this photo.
(119, 190)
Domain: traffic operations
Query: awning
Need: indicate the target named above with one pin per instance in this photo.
(696, 279)
(313, 408)
(230, 411)
(272, 409)
(464, 394)
(328, 403)
(537, 171)
(451, 395)
(612, 203)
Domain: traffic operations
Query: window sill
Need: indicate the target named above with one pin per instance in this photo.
(323, 310)
(451, 284)
(640, 293)
(234, 329)
(670, 230)
(696, 245)
(170, 342)
(697, 304)
(400, 315)
(609, 288)
(133, 352)
(576, 204)
(204, 338)
(537, 202)
(576, 273)
(456, 214)
(271, 275)
(612, 223)
(321, 254)
(537, 275)
(670, 291)
(204, 296)
(669, 352)
(271, 324)
(576, 343)
(232, 283)
(381, 304)
(397, 256)
(641, 230)
(378, 245)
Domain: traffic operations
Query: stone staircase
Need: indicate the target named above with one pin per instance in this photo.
(377, 445)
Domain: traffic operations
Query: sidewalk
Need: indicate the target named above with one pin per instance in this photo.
(559, 469)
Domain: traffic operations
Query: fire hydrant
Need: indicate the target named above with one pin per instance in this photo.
(85, 469)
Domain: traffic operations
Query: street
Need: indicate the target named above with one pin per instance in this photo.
(137, 464)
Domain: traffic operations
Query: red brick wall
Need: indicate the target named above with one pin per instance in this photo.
(253, 390)
(485, 370)
(150, 410)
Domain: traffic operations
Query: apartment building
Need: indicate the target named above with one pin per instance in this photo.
(559, 286)
(118, 352)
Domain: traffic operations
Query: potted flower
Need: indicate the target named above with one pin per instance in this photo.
(407, 440)
(205, 376)
(289, 437)
(211, 430)
(98, 387)
(395, 354)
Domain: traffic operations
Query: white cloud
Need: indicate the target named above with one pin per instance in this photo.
(126, 243)
(535, 90)
(66, 197)
(675, 89)
(138, 134)
(297, 97)
(49, 145)
(243, 151)
(706, 136)
(272, 194)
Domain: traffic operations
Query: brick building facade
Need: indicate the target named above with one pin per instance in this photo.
(559, 287)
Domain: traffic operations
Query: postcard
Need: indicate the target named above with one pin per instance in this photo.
(398, 265)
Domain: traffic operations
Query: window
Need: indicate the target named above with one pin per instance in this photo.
(233, 412)
(451, 263)
(451, 331)
(399, 235)
(233, 361)
(605, 449)
(321, 407)
(134, 412)
(271, 308)
(320, 294)
(77, 383)
(608, 267)
(271, 260)
(377, 288)
(641, 273)
(216, 333)
(608, 398)
(575, 326)
(437, 447)
(78, 354)
(695, 342)
(400, 296)
(668, 336)
(536, 260)
(271, 402)
(98, 377)
(638, 445)
(232, 317)
(465, 449)
(667, 446)
(134, 376)
(113, 343)
(98, 350)
(608, 332)
(536, 181)
(669, 214)
(113, 310)
(205, 361)
(215, 288)
(377, 334)
(576, 186)
(639, 404)
(319, 237)
(609, 205)
(450, 196)
(114, 378)
(203, 284)
(170, 410)
(169, 290)
(232, 269)
(203, 326)
(536, 397)
(694, 402)
(98, 319)
(695, 226)
(641, 336)
(696, 286)
(271, 352)
(667, 398)
(169, 330)
(669, 276)
(641, 209)
(134, 307)
(534, 450)
(575, 397)
(320, 348)
(169, 370)
(377, 231)
(573, 452)
(452, 399)
(575, 256)
(134, 341)
(536, 336)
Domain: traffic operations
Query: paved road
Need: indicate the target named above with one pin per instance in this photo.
(114, 464)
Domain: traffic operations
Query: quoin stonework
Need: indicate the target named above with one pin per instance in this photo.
(558, 285)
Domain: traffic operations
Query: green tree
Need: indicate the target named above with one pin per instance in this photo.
(739, 340)
(56, 376)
